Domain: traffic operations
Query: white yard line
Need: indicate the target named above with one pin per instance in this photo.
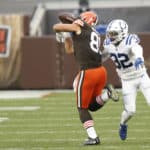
(24, 108)
(3, 119)
(24, 94)
(64, 140)
(59, 125)
(107, 147)
(13, 148)
(35, 148)
(50, 132)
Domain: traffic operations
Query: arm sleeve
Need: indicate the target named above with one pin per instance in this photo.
(136, 48)
(137, 51)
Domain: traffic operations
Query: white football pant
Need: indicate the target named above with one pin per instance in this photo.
(129, 90)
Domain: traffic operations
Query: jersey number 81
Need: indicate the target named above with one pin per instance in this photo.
(95, 42)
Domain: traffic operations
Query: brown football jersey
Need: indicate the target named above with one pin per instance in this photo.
(86, 47)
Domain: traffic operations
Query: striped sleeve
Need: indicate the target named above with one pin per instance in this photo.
(132, 39)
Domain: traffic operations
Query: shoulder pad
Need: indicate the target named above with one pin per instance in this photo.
(132, 39)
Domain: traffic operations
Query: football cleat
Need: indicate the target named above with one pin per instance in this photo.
(123, 131)
(112, 93)
(91, 141)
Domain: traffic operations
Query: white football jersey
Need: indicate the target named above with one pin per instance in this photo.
(124, 56)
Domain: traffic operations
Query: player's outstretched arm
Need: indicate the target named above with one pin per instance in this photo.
(60, 27)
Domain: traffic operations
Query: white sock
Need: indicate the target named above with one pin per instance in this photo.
(125, 116)
(91, 132)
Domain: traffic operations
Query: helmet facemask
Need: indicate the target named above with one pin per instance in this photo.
(115, 36)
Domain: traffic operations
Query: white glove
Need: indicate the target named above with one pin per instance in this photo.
(61, 36)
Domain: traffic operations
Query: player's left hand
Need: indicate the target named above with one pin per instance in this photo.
(61, 36)
(138, 63)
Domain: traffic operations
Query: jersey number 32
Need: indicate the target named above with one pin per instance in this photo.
(121, 60)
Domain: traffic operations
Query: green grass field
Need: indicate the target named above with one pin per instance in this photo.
(54, 125)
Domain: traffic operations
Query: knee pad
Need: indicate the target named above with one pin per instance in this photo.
(94, 106)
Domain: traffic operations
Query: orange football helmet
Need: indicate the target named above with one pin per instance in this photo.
(89, 17)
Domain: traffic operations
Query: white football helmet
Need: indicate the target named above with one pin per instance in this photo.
(117, 30)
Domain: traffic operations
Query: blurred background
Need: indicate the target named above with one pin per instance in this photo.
(30, 57)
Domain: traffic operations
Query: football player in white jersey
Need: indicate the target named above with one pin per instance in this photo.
(127, 53)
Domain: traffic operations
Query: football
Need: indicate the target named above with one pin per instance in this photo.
(66, 18)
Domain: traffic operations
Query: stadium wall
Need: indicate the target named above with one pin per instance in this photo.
(11, 31)
(41, 63)
(45, 64)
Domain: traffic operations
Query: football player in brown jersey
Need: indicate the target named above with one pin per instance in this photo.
(92, 78)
